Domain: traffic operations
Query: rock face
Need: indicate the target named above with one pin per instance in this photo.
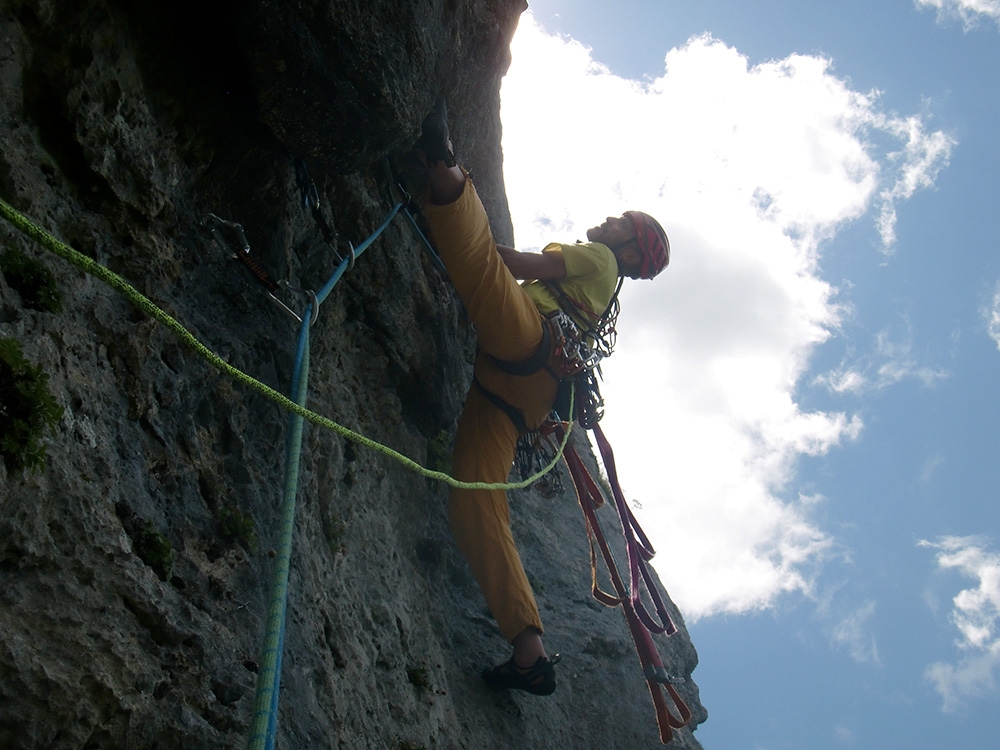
(135, 569)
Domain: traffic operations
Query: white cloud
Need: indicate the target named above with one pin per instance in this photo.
(751, 169)
(897, 363)
(976, 615)
(848, 625)
(968, 11)
(891, 361)
(993, 318)
(923, 156)
(853, 633)
(845, 735)
(930, 466)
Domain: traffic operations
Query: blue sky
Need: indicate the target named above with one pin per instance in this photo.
(805, 404)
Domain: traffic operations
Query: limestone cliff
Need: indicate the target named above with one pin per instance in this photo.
(135, 568)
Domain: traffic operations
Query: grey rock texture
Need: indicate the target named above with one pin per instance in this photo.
(135, 569)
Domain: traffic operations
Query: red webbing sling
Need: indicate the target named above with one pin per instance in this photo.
(640, 622)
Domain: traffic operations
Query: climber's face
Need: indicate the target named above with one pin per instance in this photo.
(616, 230)
(618, 233)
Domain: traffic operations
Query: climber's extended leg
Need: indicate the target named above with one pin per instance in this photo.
(508, 327)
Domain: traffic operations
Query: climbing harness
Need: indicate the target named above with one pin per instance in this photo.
(573, 358)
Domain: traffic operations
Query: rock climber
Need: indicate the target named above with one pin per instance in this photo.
(508, 317)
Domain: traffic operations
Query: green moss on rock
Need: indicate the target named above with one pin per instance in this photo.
(27, 410)
(32, 280)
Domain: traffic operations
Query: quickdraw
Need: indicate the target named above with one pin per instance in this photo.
(579, 353)
(310, 201)
(535, 449)
(238, 238)
(601, 333)
(572, 352)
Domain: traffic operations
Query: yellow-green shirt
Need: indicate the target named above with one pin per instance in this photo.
(591, 280)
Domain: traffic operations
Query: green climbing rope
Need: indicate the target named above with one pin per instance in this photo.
(143, 303)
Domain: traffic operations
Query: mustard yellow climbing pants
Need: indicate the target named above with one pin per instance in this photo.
(509, 328)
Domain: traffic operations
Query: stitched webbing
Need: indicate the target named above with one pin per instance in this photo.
(640, 623)
(143, 303)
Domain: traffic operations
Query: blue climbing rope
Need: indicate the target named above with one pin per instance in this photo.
(264, 726)
(345, 263)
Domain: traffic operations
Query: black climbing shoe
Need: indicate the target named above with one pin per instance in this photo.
(433, 139)
(538, 680)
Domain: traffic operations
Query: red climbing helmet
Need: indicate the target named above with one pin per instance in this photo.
(653, 243)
